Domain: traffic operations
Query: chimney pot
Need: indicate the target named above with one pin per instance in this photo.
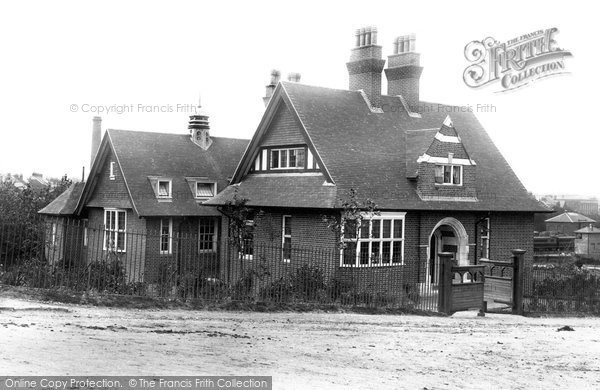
(404, 71)
(294, 77)
(270, 88)
(365, 66)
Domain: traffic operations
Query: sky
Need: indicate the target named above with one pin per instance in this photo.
(62, 62)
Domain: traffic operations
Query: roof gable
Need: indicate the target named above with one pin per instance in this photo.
(175, 157)
(279, 110)
(372, 152)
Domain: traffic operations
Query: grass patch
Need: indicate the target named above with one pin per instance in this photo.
(143, 302)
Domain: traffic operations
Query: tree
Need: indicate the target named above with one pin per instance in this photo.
(348, 223)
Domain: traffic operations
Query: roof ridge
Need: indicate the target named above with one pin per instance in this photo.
(163, 133)
(285, 83)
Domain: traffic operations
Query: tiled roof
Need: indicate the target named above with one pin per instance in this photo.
(571, 217)
(276, 191)
(65, 203)
(589, 230)
(371, 152)
(174, 156)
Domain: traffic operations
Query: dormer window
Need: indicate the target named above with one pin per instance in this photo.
(205, 190)
(448, 175)
(164, 189)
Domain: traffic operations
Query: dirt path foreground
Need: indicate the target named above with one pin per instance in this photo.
(302, 350)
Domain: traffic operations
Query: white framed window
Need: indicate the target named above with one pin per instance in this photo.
(207, 235)
(378, 241)
(115, 228)
(164, 189)
(448, 175)
(166, 236)
(484, 240)
(286, 238)
(111, 175)
(205, 190)
(291, 158)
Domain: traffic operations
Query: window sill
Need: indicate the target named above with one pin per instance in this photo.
(287, 261)
(447, 185)
(165, 199)
(165, 253)
(370, 265)
(111, 178)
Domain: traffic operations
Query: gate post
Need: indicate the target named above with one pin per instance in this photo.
(518, 261)
(445, 286)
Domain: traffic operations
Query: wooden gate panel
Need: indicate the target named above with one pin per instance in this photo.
(467, 296)
(498, 289)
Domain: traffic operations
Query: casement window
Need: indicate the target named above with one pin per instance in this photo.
(166, 236)
(205, 190)
(278, 158)
(207, 235)
(484, 252)
(115, 227)
(378, 241)
(111, 175)
(448, 174)
(292, 158)
(163, 189)
(286, 238)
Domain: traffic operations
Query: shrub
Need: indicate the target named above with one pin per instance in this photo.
(307, 281)
(107, 276)
(280, 290)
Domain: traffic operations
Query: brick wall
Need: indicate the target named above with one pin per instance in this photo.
(134, 256)
(508, 231)
(426, 183)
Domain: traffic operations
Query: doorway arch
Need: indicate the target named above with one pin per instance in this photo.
(448, 235)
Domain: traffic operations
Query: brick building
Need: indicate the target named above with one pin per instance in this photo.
(143, 201)
(438, 180)
(567, 223)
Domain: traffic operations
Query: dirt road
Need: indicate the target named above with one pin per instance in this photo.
(302, 350)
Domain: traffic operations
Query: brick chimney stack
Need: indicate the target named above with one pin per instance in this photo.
(404, 71)
(366, 64)
(294, 77)
(96, 136)
(270, 88)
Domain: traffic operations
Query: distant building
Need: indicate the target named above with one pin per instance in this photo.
(567, 223)
(576, 203)
(587, 241)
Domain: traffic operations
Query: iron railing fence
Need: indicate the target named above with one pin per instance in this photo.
(70, 254)
(564, 289)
